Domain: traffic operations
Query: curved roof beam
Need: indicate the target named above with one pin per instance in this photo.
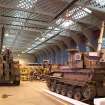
(70, 43)
(60, 43)
(84, 31)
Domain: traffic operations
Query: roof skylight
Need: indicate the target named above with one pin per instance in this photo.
(78, 12)
(60, 20)
(100, 2)
(27, 4)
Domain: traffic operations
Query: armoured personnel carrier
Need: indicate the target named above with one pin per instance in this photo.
(9, 69)
(84, 76)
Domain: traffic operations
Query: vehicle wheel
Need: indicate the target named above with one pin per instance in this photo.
(49, 84)
(38, 77)
(63, 90)
(58, 88)
(16, 83)
(89, 92)
(52, 88)
(70, 92)
(77, 94)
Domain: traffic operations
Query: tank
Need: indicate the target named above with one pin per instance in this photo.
(83, 77)
(9, 69)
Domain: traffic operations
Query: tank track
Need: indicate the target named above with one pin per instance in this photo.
(74, 92)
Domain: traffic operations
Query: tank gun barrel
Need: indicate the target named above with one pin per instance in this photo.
(101, 36)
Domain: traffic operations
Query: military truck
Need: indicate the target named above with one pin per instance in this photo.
(84, 76)
(9, 69)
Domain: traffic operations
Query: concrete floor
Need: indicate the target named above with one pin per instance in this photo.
(28, 93)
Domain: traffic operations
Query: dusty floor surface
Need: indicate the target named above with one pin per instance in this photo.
(28, 93)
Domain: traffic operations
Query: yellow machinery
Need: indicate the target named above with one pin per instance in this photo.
(25, 73)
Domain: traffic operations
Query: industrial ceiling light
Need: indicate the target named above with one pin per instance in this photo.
(42, 39)
(49, 35)
(50, 27)
(57, 29)
(7, 34)
(2, 50)
(28, 48)
(23, 52)
(4, 47)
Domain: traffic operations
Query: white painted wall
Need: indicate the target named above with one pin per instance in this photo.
(25, 58)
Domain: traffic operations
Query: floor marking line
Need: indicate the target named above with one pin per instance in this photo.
(99, 101)
(70, 100)
(56, 99)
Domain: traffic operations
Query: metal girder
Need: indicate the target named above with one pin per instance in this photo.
(43, 51)
(37, 10)
(80, 40)
(24, 29)
(91, 20)
(67, 7)
(44, 41)
(96, 8)
(93, 7)
(53, 49)
(89, 35)
(48, 51)
(68, 41)
(60, 43)
(22, 18)
(69, 33)
(83, 29)
(74, 35)
(50, 48)
(50, 44)
(30, 21)
(22, 26)
(56, 48)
